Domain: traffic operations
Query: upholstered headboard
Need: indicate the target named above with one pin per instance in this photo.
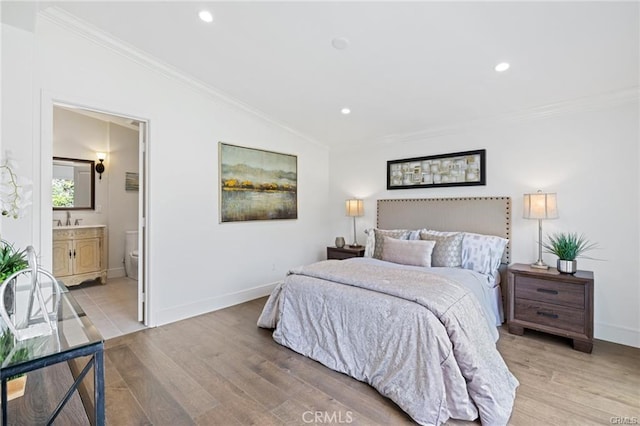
(482, 215)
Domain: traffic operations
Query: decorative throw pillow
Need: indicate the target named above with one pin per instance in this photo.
(407, 252)
(400, 234)
(448, 249)
(370, 245)
(483, 253)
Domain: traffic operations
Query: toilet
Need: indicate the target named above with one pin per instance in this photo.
(131, 254)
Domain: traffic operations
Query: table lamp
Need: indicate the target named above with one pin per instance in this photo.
(541, 205)
(355, 208)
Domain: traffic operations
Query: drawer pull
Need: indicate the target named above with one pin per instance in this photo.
(547, 314)
(545, 290)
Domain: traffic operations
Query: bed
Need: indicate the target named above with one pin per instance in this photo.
(423, 336)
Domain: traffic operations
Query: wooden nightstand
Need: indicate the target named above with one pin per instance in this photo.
(548, 301)
(345, 252)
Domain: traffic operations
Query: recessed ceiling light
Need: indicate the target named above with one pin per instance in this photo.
(502, 66)
(340, 43)
(345, 111)
(206, 16)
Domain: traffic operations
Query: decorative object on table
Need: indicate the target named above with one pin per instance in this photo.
(256, 184)
(100, 166)
(340, 242)
(10, 353)
(11, 261)
(27, 323)
(131, 181)
(568, 246)
(15, 192)
(540, 206)
(355, 208)
(465, 168)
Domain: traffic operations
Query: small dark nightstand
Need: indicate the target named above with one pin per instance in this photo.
(548, 301)
(345, 252)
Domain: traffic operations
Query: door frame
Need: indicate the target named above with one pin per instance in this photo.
(45, 148)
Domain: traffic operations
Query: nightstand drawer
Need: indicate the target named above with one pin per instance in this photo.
(550, 315)
(557, 293)
(341, 253)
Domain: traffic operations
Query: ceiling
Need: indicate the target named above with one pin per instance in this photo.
(409, 67)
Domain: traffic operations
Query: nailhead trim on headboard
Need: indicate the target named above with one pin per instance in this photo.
(492, 215)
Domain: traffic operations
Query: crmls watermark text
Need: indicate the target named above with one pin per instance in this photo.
(623, 420)
(333, 417)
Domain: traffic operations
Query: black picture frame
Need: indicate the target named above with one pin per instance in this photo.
(465, 168)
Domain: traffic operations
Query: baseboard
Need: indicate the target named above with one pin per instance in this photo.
(617, 334)
(178, 313)
(115, 273)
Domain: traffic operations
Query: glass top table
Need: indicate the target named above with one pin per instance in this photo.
(72, 336)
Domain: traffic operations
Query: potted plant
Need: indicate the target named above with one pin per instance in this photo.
(567, 246)
(15, 385)
(11, 261)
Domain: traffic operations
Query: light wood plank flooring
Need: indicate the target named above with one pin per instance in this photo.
(220, 369)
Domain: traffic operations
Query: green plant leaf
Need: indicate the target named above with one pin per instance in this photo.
(567, 245)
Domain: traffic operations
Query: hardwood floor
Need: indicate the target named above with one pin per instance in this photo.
(220, 369)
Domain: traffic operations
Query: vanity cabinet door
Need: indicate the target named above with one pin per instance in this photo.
(62, 256)
(86, 255)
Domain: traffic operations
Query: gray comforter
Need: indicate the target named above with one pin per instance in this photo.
(420, 339)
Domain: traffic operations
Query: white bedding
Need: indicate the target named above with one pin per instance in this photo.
(489, 297)
(420, 338)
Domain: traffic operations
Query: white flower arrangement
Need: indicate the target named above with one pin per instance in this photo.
(15, 191)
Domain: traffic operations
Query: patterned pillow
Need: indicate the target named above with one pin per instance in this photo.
(407, 252)
(400, 234)
(448, 249)
(483, 253)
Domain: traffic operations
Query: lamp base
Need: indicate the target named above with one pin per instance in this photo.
(355, 246)
(540, 265)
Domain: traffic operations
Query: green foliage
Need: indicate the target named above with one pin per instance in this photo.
(62, 191)
(11, 260)
(6, 346)
(567, 245)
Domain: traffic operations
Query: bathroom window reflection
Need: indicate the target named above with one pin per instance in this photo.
(72, 186)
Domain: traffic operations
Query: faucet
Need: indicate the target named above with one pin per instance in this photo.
(68, 218)
(77, 222)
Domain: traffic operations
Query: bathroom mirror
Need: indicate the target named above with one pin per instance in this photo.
(73, 184)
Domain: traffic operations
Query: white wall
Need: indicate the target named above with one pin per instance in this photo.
(195, 264)
(123, 205)
(589, 158)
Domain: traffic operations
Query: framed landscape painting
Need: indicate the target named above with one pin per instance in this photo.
(466, 168)
(256, 184)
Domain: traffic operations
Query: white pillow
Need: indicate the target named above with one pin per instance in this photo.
(407, 252)
(483, 253)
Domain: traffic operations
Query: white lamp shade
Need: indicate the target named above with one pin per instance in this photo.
(355, 208)
(540, 205)
(101, 155)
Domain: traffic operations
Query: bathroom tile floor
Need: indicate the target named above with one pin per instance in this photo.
(112, 307)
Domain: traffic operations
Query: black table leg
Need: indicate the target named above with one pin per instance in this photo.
(4, 402)
(98, 387)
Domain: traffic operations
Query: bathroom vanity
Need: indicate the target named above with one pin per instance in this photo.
(80, 253)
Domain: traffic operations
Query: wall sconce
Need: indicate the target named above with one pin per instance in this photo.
(355, 208)
(100, 165)
(540, 206)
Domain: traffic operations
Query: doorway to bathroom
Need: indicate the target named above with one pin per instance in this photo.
(115, 299)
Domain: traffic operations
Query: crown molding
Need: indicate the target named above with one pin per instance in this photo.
(95, 35)
(590, 103)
